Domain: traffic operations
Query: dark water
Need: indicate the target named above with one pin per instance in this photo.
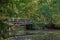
(42, 35)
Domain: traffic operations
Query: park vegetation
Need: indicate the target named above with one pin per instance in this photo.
(39, 12)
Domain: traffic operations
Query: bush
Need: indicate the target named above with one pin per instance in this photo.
(4, 29)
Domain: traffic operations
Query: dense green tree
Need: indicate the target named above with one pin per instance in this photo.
(30, 8)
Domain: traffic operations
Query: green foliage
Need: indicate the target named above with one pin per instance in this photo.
(39, 12)
(35, 10)
(4, 30)
(3, 1)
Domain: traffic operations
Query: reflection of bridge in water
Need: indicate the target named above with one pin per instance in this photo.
(47, 35)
